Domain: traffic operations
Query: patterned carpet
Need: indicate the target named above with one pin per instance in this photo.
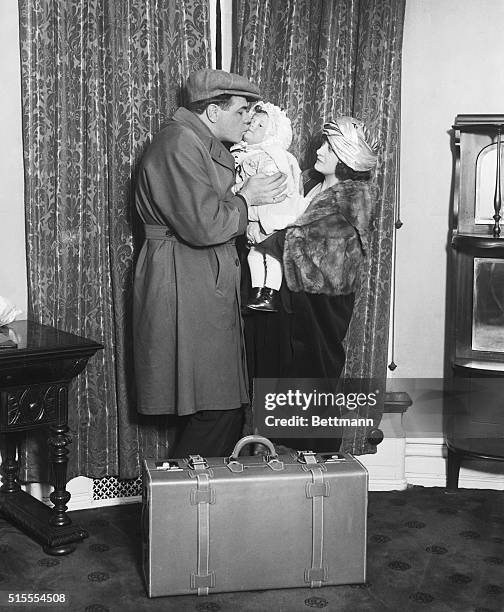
(427, 550)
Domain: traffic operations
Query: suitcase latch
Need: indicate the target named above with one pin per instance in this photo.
(168, 466)
(306, 457)
(332, 457)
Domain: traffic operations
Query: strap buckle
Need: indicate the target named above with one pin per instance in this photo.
(197, 462)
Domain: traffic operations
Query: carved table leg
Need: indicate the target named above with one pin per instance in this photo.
(50, 526)
(10, 466)
(58, 459)
(58, 442)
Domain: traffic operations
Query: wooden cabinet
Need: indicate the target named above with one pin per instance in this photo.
(475, 304)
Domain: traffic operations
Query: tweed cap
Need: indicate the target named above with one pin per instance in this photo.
(207, 83)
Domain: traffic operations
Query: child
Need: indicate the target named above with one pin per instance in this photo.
(264, 149)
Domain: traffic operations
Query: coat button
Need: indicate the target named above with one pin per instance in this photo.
(237, 262)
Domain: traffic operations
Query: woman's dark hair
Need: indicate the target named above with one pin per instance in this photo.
(344, 172)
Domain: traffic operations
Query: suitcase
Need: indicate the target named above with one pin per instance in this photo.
(253, 522)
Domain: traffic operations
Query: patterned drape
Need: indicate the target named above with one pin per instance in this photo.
(98, 80)
(320, 59)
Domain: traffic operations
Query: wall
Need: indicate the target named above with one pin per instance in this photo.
(13, 284)
(452, 64)
(12, 237)
(453, 54)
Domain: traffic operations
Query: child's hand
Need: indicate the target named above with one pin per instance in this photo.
(253, 232)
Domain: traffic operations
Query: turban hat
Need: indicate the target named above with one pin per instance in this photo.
(351, 141)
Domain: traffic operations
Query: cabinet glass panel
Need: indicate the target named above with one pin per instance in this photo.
(488, 305)
(486, 166)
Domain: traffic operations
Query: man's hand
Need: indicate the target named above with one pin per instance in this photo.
(263, 189)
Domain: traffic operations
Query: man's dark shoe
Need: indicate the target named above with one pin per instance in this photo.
(268, 301)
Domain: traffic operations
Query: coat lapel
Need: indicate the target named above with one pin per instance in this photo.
(216, 149)
(221, 155)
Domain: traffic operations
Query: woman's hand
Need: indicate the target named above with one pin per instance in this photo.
(262, 189)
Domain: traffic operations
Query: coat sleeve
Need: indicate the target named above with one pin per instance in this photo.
(177, 180)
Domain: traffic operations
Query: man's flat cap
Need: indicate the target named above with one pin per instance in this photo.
(205, 84)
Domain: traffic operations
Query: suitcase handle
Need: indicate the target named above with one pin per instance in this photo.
(253, 440)
(271, 458)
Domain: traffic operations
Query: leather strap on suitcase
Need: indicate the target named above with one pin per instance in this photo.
(202, 496)
(317, 489)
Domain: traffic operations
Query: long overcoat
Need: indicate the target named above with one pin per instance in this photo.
(188, 337)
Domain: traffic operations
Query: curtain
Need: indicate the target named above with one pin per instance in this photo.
(99, 78)
(319, 59)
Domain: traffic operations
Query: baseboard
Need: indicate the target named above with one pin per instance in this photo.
(386, 466)
(425, 465)
(84, 495)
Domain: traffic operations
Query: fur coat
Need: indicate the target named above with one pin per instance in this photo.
(324, 248)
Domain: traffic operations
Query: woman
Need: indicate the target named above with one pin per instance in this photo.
(322, 254)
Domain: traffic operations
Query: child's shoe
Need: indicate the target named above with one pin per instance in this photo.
(255, 296)
(267, 300)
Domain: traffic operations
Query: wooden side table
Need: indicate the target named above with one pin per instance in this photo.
(34, 381)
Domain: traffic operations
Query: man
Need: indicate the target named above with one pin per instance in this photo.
(188, 340)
